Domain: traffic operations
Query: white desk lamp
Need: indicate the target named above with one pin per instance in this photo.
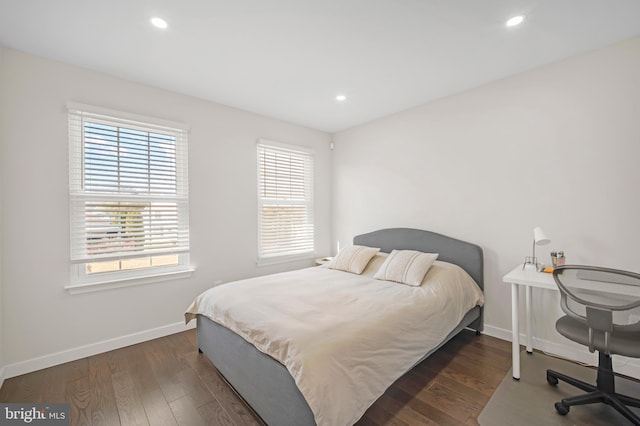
(539, 239)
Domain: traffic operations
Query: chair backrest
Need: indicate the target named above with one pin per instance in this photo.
(606, 300)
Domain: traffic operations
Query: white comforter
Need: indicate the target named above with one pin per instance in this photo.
(344, 338)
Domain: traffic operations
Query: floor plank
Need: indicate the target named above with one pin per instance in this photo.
(214, 414)
(186, 413)
(224, 394)
(128, 401)
(157, 409)
(167, 382)
(104, 411)
(78, 394)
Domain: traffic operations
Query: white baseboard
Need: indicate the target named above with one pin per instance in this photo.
(23, 367)
(499, 333)
(622, 365)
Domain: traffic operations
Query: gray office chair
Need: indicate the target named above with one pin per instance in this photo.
(601, 312)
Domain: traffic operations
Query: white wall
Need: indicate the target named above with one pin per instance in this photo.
(39, 317)
(556, 147)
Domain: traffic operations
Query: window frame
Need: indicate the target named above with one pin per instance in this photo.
(308, 155)
(80, 280)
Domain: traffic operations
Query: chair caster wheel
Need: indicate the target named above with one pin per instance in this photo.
(562, 409)
(553, 381)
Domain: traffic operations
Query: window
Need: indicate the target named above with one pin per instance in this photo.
(129, 197)
(285, 201)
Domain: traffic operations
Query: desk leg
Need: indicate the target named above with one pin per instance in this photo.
(529, 319)
(515, 339)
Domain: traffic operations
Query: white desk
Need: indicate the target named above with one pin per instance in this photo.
(528, 279)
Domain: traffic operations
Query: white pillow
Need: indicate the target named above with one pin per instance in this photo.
(353, 259)
(406, 267)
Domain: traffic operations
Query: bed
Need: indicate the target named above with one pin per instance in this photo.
(275, 391)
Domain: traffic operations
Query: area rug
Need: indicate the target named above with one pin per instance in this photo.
(530, 401)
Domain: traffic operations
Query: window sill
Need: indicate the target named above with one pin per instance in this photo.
(127, 282)
(284, 259)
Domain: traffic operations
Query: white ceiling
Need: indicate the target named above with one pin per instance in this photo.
(288, 59)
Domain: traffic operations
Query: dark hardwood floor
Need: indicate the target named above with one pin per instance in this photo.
(167, 382)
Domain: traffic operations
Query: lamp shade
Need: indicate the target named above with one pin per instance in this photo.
(539, 237)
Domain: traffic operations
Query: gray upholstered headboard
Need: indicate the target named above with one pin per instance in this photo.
(466, 255)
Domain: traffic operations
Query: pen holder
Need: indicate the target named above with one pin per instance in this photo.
(557, 258)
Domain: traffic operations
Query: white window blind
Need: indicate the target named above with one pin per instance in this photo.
(285, 200)
(128, 187)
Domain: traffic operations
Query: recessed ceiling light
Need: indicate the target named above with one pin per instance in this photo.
(341, 98)
(516, 20)
(159, 22)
